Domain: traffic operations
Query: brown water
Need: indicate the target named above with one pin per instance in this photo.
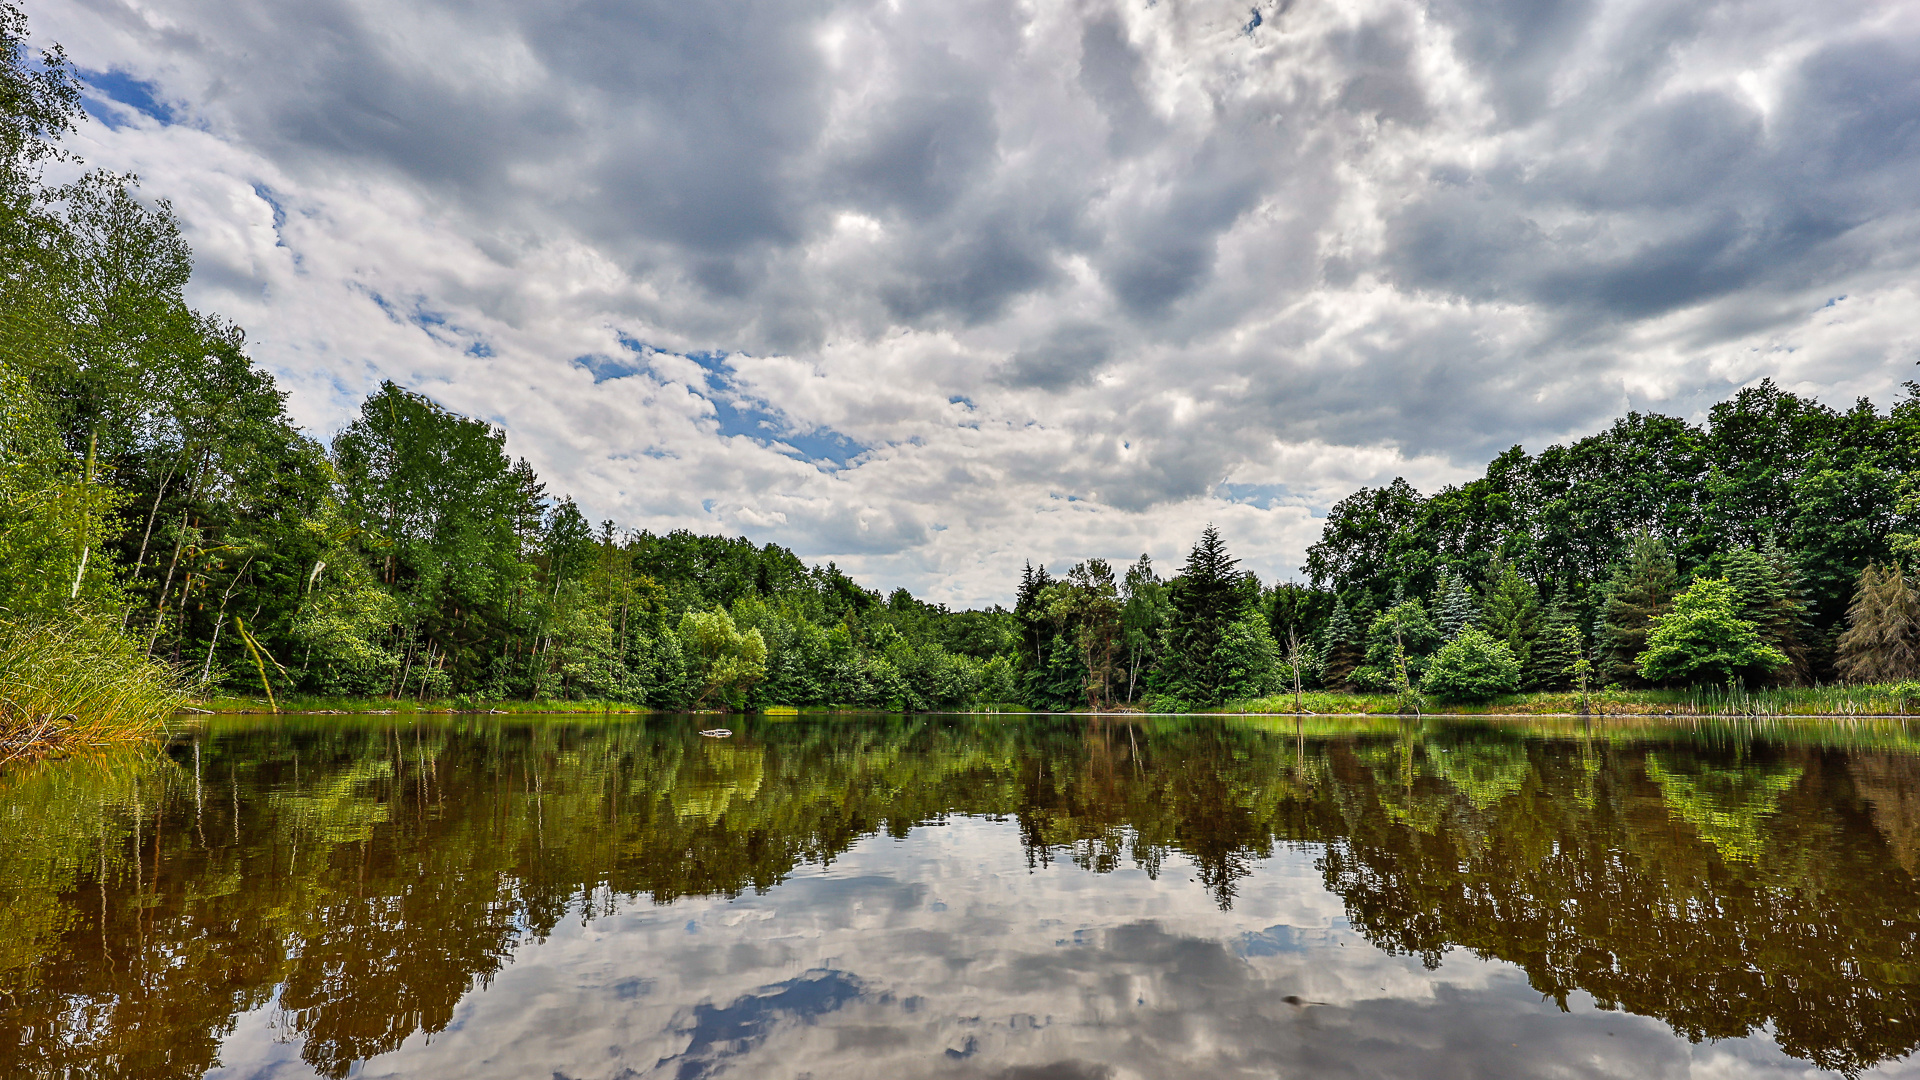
(1030, 898)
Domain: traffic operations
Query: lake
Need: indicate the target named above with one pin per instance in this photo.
(1011, 897)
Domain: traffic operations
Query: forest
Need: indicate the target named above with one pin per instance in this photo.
(1767, 546)
(166, 527)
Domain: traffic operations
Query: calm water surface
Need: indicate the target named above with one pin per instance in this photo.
(966, 897)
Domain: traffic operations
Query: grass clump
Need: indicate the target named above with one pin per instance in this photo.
(64, 686)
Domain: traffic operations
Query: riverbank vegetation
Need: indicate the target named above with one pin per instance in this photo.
(157, 501)
(78, 685)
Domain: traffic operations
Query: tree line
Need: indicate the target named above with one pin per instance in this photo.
(1769, 545)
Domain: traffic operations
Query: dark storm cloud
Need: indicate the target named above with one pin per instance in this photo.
(1691, 196)
(1071, 355)
(707, 129)
(1382, 84)
(1517, 46)
(1110, 71)
(969, 275)
(923, 149)
(1165, 249)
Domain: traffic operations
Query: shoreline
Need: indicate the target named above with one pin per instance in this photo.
(1612, 709)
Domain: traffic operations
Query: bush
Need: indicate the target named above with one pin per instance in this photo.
(1703, 639)
(1472, 667)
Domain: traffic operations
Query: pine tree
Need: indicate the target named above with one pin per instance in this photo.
(1882, 640)
(1554, 652)
(1037, 632)
(1511, 612)
(1642, 587)
(1340, 651)
(1207, 597)
(1454, 609)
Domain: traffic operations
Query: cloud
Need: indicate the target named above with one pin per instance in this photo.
(985, 281)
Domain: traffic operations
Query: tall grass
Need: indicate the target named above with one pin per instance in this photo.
(64, 686)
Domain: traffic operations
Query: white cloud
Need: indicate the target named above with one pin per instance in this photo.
(1069, 279)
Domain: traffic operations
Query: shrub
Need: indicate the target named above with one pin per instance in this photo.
(1704, 639)
(1472, 667)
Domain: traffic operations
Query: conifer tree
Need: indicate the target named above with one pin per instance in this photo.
(1643, 586)
(1454, 609)
(1511, 612)
(1882, 640)
(1207, 597)
(1340, 652)
(1037, 632)
(1554, 652)
(1402, 637)
(1767, 594)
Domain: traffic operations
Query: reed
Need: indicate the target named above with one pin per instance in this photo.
(64, 686)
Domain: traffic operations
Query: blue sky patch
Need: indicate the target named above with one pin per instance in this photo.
(745, 416)
(265, 195)
(738, 414)
(124, 90)
(608, 367)
(1264, 496)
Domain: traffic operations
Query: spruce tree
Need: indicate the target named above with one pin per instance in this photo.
(1767, 594)
(1511, 612)
(1642, 587)
(1554, 652)
(1882, 640)
(1207, 597)
(1340, 651)
(1454, 609)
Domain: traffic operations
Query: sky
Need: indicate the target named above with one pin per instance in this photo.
(933, 288)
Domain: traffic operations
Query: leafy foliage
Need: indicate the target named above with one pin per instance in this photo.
(1704, 639)
(1474, 666)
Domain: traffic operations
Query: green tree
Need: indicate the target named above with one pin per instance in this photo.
(1087, 605)
(1703, 639)
(54, 518)
(1510, 611)
(728, 663)
(1641, 589)
(1401, 634)
(1473, 666)
(1206, 599)
(1250, 660)
(1144, 616)
(1766, 587)
(1454, 607)
(1341, 650)
(444, 516)
(1556, 650)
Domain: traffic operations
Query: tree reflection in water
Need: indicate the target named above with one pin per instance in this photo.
(363, 877)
